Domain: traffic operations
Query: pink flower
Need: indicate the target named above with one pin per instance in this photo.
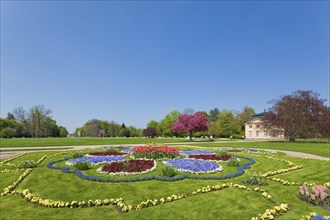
(313, 196)
(302, 191)
(323, 196)
(316, 191)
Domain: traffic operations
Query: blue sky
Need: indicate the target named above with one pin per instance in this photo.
(134, 61)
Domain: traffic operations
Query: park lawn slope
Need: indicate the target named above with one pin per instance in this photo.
(321, 149)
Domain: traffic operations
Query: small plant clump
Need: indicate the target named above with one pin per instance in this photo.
(112, 149)
(318, 195)
(28, 164)
(233, 162)
(82, 165)
(167, 171)
(76, 155)
(255, 179)
(222, 153)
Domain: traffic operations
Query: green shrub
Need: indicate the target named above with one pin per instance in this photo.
(113, 149)
(221, 153)
(255, 179)
(76, 155)
(167, 171)
(82, 165)
(28, 164)
(233, 162)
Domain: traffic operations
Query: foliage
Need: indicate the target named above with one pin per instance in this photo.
(167, 171)
(302, 113)
(225, 126)
(82, 165)
(255, 179)
(150, 132)
(164, 126)
(28, 164)
(214, 114)
(191, 123)
(233, 162)
(221, 153)
(77, 155)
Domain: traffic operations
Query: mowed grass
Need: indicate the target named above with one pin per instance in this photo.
(42, 142)
(321, 149)
(229, 203)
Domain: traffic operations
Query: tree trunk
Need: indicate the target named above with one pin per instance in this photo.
(292, 139)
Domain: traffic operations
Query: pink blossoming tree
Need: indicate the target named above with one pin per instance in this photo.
(191, 123)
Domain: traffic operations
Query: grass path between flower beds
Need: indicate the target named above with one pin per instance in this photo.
(230, 203)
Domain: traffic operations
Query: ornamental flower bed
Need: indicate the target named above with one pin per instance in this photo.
(128, 167)
(196, 152)
(92, 154)
(155, 152)
(211, 157)
(194, 165)
(318, 195)
(96, 160)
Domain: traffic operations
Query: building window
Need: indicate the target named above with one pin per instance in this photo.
(257, 133)
(258, 126)
(265, 133)
(250, 126)
(250, 133)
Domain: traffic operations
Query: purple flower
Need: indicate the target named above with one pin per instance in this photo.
(97, 160)
(196, 152)
(194, 166)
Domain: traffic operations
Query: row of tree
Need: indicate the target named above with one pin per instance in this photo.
(99, 128)
(35, 122)
(217, 123)
(301, 114)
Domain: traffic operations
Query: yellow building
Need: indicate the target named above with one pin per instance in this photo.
(254, 129)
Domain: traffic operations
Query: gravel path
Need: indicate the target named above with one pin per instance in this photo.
(8, 153)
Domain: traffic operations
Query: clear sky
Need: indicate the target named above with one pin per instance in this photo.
(134, 61)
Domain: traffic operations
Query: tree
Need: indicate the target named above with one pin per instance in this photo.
(164, 126)
(150, 132)
(93, 128)
(10, 116)
(22, 116)
(227, 125)
(114, 129)
(245, 115)
(191, 123)
(214, 114)
(301, 113)
(152, 124)
(63, 131)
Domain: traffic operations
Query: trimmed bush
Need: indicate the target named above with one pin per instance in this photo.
(82, 165)
(28, 164)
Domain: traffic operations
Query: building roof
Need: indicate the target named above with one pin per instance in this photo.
(256, 116)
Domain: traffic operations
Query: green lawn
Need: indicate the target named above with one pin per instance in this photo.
(322, 149)
(228, 203)
(41, 142)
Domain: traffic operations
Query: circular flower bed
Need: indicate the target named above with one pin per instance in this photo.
(128, 167)
(211, 157)
(194, 166)
(92, 154)
(96, 160)
(196, 152)
(155, 152)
